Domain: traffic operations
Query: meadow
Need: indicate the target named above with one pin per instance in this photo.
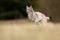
(25, 30)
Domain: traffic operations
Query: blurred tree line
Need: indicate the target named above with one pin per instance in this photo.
(12, 9)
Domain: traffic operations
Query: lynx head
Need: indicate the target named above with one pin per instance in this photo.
(29, 9)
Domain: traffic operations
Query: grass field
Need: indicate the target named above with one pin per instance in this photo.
(25, 30)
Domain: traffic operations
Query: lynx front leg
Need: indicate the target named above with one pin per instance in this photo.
(36, 21)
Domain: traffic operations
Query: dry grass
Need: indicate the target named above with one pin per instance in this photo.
(25, 30)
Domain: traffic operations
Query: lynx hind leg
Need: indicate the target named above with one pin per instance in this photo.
(36, 21)
(44, 21)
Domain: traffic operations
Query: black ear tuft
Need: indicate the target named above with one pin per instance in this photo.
(28, 5)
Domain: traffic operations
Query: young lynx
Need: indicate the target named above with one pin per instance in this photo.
(37, 17)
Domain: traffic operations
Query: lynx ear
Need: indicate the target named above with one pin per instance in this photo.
(27, 7)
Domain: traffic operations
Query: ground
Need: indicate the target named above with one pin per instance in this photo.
(25, 30)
